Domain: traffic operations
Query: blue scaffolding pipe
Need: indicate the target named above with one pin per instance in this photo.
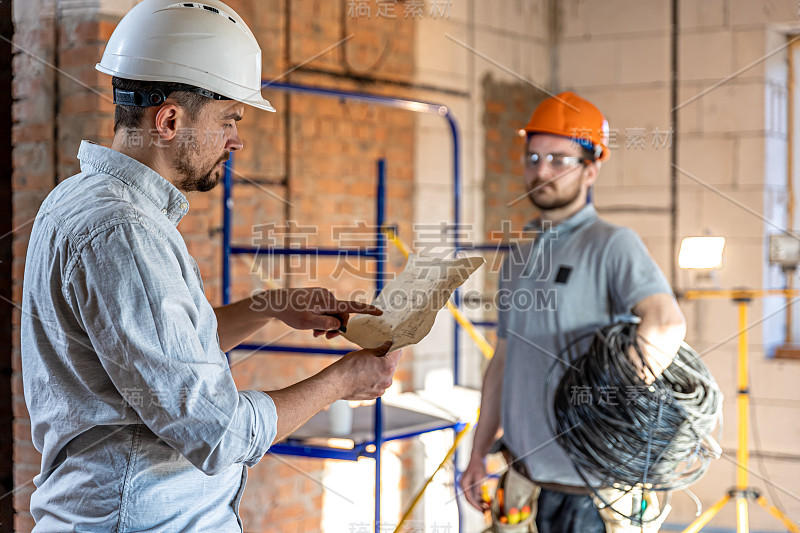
(386, 101)
(317, 452)
(456, 426)
(289, 348)
(361, 449)
(368, 252)
(380, 244)
(227, 203)
(379, 251)
(487, 247)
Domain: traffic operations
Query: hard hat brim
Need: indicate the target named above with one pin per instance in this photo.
(254, 99)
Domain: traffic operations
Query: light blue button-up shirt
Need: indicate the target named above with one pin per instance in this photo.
(131, 400)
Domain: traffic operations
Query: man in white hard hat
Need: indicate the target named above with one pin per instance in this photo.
(131, 400)
(593, 273)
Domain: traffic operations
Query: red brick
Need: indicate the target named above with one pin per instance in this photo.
(495, 107)
(86, 102)
(20, 245)
(20, 409)
(25, 453)
(23, 521)
(288, 527)
(311, 524)
(41, 180)
(16, 295)
(22, 497)
(86, 31)
(34, 37)
(22, 429)
(21, 132)
(18, 267)
(16, 363)
(28, 155)
(80, 56)
(34, 75)
(23, 476)
(23, 86)
(26, 205)
(34, 107)
(105, 29)
(86, 77)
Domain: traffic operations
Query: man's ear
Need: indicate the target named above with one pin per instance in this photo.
(166, 121)
(591, 171)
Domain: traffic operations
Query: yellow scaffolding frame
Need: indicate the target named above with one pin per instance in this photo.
(487, 351)
(741, 493)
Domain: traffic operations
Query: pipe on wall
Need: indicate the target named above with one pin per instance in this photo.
(673, 187)
(790, 82)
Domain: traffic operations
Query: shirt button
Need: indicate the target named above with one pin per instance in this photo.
(164, 210)
(184, 206)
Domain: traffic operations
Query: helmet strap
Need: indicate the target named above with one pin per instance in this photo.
(156, 97)
(139, 98)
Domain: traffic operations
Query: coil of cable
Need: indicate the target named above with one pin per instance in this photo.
(657, 436)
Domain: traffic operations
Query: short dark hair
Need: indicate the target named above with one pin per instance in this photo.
(587, 155)
(130, 117)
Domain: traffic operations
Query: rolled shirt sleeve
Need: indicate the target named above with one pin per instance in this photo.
(156, 338)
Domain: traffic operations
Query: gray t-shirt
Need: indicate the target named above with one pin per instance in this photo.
(573, 278)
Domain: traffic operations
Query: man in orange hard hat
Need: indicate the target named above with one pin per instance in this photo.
(592, 273)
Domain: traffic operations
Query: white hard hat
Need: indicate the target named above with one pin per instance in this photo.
(202, 44)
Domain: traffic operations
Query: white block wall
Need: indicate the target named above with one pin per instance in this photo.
(731, 143)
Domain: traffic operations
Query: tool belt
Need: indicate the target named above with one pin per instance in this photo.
(515, 491)
(518, 491)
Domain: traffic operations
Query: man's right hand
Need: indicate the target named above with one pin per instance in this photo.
(368, 373)
(310, 308)
(471, 481)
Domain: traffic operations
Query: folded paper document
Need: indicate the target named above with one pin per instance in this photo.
(410, 301)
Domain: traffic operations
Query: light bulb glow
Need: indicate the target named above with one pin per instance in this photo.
(701, 252)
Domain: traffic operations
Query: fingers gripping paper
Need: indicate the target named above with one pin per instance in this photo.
(410, 302)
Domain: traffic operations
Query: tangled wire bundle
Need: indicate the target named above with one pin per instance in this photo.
(657, 436)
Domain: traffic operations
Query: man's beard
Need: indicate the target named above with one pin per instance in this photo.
(193, 178)
(567, 198)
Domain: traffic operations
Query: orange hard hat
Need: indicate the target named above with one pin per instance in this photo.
(569, 115)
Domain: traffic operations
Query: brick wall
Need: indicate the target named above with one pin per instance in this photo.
(51, 114)
(6, 264)
(32, 178)
(508, 106)
(312, 162)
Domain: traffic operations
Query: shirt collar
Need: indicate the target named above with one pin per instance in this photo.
(164, 195)
(586, 214)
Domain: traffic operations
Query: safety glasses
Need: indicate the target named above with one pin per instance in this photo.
(556, 161)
